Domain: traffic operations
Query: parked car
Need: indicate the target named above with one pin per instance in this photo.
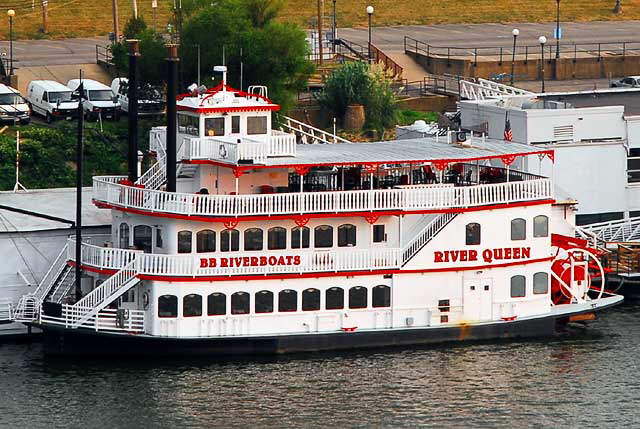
(13, 108)
(52, 100)
(627, 82)
(150, 100)
(99, 101)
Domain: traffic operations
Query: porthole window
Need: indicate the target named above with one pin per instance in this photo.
(230, 240)
(541, 226)
(192, 305)
(206, 241)
(216, 304)
(518, 229)
(518, 286)
(334, 298)
(323, 236)
(310, 300)
(253, 239)
(264, 301)
(288, 300)
(168, 306)
(300, 235)
(124, 236)
(346, 235)
(381, 296)
(472, 234)
(240, 303)
(358, 297)
(184, 241)
(277, 238)
(540, 283)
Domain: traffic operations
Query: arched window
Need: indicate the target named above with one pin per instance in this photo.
(323, 236)
(192, 305)
(253, 239)
(142, 238)
(518, 286)
(216, 304)
(230, 240)
(518, 229)
(206, 241)
(358, 297)
(168, 306)
(346, 235)
(540, 283)
(541, 226)
(277, 238)
(240, 303)
(288, 300)
(300, 235)
(381, 296)
(124, 236)
(184, 242)
(310, 299)
(264, 301)
(334, 298)
(473, 234)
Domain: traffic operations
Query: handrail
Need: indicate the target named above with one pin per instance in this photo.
(308, 132)
(424, 236)
(104, 320)
(378, 56)
(615, 230)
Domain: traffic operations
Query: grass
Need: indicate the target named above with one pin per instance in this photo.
(82, 18)
(408, 117)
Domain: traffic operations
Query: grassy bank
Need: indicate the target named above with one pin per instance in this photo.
(79, 18)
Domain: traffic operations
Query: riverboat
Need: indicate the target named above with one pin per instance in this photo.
(258, 244)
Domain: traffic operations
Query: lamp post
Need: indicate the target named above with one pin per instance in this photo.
(335, 27)
(515, 33)
(542, 41)
(370, 13)
(11, 14)
(558, 29)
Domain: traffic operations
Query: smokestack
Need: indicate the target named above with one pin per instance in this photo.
(172, 83)
(132, 95)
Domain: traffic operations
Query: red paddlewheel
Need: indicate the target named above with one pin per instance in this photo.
(573, 271)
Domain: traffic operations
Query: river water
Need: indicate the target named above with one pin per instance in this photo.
(590, 379)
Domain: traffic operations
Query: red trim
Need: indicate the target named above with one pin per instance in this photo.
(352, 329)
(321, 215)
(273, 108)
(93, 269)
(509, 319)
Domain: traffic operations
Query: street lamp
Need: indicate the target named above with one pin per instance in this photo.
(558, 29)
(11, 14)
(335, 27)
(370, 13)
(515, 33)
(542, 41)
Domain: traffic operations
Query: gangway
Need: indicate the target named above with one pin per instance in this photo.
(481, 89)
(622, 230)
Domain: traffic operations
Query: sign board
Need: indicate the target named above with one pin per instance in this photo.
(557, 33)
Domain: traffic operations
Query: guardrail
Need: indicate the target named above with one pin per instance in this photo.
(105, 320)
(381, 58)
(104, 55)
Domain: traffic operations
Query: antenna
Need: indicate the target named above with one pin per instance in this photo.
(18, 185)
(241, 69)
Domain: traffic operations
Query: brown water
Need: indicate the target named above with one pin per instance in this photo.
(590, 379)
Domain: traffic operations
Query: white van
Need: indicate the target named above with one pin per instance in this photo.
(99, 101)
(52, 100)
(13, 108)
(150, 100)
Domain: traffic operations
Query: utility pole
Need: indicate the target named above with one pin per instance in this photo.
(45, 23)
(116, 27)
(135, 8)
(320, 31)
(154, 8)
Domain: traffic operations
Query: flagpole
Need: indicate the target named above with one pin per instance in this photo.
(18, 185)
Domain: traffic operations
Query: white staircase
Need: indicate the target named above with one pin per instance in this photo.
(482, 89)
(623, 230)
(187, 171)
(431, 229)
(62, 285)
(308, 134)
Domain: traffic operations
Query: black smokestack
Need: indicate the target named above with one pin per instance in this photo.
(172, 82)
(132, 95)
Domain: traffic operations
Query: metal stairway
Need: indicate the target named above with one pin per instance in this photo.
(430, 230)
(307, 134)
(63, 284)
(187, 171)
(482, 89)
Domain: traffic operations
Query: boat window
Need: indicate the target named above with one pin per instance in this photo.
(277, 238)
(288, 300)
(253, 239)
(444, 305)
(334, 298)
(358, 297)
(159, 242)
(518, 285)
(310, 299)
(192, 305)
(541, 226)
(206, 241)
(518, 229)
(264, 301)
(381, 296)
(300, 234)
(230, 240)
(168, 306)
(124, 236)
(256, 125)
(184, 242)
(142, 238)
(216, 304)
(214, 127)
(378, 234)
(473, 234)
(323, 236)
(188, 124)
(540, 283)
(240, 303)
(346, 235)
(235, 125)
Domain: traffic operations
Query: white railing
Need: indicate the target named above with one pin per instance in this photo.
(107, 192)
(282, 144)
(102, 294)
(104, 320)
(104, 258)
(309, 134)
(616, 230)
(483, 89)
(424, 236)
(6, 309)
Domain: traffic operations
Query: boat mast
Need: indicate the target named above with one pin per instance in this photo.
(79, 173)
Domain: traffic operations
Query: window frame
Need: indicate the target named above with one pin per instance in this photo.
(516, 223)
(200, 244)
(356, 289)
(513, 285)
(536, 290)
(296, 233)
(315, 299)
(230, 240)
(234, 301)
(292, 294)
(127, 234)
(259, 239)
(251, 127)
(212, 305)
(185, 232)
(276, 238)
(198, 305)
(347, 235)
(323, 229)
(174, 298)
(329, 299)
(256, 302)
(470, 240)
(536, 226)
(386, 298)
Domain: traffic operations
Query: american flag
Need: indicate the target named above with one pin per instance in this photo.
(508, 134)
